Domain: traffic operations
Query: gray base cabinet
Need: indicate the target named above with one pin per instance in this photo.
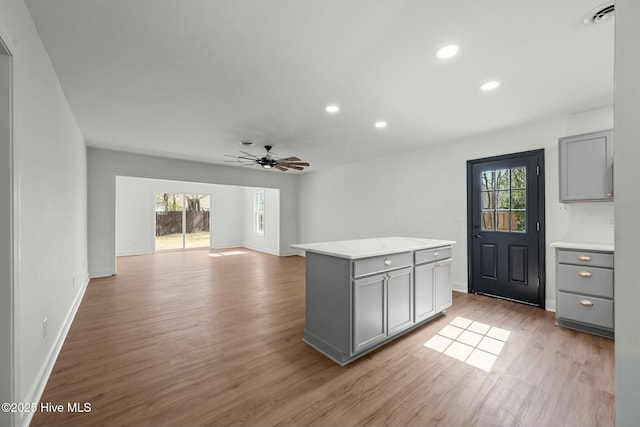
(585, 291)
(354, 306)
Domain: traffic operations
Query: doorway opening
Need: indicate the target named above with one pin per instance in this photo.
(183, 221)
(506, 227)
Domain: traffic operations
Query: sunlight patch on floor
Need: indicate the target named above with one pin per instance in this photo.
(474, 343)
(227, 253)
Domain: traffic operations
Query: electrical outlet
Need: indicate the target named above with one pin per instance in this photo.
(44, 328)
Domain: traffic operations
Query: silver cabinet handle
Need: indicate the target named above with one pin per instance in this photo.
(387, 262)
(584, 274)
(584, 258)
(586, 303)
(436, 254)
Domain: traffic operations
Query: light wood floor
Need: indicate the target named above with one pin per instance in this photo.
(189, 339)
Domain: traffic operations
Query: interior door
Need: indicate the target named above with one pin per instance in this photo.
(506, 226)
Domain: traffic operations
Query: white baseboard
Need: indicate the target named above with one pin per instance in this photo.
(226, 245)
(135, 252)
(460, 287)
(101, 273)
(255, 248)
(34, 394)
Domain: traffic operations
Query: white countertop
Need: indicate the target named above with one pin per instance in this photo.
(586, 246)
(364, 248)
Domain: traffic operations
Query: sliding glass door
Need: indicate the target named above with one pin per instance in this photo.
(182, 221)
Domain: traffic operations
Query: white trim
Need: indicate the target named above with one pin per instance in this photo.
(101, 273)
(227, 245)
(259, 249)
(7, 45)
(34, 394)
(460, 287)
(135, 252)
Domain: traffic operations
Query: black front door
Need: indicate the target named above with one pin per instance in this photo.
(505, 198)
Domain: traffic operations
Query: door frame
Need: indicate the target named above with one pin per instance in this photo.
(9, 364)
(541, 218)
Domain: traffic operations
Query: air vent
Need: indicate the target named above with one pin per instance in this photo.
(600, 14)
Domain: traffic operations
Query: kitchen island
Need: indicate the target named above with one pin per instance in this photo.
(361, 294)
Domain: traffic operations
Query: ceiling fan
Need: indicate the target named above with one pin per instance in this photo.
(269, 161)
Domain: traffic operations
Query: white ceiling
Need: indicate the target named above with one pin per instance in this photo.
(191, 78)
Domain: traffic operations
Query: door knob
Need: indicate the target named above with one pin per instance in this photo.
(477, 235)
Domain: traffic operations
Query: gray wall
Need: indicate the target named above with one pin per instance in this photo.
(49, 212)
(105, 165)
(423, 193)
(627, 207)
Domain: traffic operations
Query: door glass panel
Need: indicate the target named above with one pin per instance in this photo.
(169, 221)
(518, 199)
(519, 177)
(487, 200)
(487, 180)
(487, 221)
(502, 179)
(197, 221)
(518, 221)
(503, 200)
(503, 220)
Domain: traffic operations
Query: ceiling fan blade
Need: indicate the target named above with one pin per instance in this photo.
(295, 163)
(298, 168)
(282, 168)
(291, 159)
(250, 155)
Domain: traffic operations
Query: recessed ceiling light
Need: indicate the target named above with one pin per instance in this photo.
(247, 143)
(381, 125)
(490, 85)
(447, 51)
(332, 108)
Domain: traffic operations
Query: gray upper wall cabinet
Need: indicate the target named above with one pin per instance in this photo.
(586, 167)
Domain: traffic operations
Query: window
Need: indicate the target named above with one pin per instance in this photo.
(258, 213)
(503, 199)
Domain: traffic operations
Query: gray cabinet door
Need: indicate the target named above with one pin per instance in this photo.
(424, 302)
(442, 279)
(399, 300)
(586, 167)
(369, 311)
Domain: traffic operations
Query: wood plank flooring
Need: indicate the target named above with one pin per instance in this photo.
(200, 338)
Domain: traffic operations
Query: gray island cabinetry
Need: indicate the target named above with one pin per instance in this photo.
(363, 293)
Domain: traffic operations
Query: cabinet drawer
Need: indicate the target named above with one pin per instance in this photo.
(362, 267)
(429, 255)
(577, 308)
(586, 280)
(594, 259)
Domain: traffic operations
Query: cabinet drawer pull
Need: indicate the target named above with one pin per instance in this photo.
(387, 262)
(584, 274)
(586, 303)
(435, 254)
(584, 258)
